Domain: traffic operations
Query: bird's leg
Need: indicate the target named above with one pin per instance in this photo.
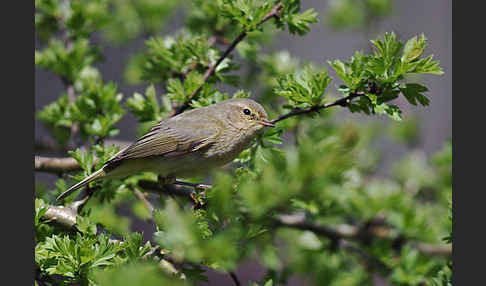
(164, 181)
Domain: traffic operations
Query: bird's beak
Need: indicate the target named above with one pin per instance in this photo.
(266, 122)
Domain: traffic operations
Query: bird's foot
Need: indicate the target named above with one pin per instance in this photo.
(198, 194)
(197, 199)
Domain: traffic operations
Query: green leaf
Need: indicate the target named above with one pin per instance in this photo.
(340, 70)
(414, 48)
(413, 92)
(84, 159)
(133, 246)
(174, 58)
(74, 257)
(143, 274)
(300, 23)
(247, 13)
(146, 108)
(85, 226)
(57, 117)
(391, 110)
(303, 88)
(297, 23)
(67, 63)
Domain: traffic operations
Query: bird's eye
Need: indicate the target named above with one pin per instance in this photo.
(246, 111)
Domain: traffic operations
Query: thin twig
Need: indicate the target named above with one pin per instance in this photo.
(142, 197)
(76, 206)
(72, 98)
(172, 190)
(363, 254)
(235, 278)
(274, 12)
(341, 102)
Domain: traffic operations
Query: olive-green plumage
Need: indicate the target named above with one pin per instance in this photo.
(188, 144)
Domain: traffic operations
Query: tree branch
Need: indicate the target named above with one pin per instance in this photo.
(63, 215)
(66, 215)
(170, 189)
(370, 230)
(235, 278)
(55, 165)
(65, 164)
(274, 12)
(146, 202)
(338, 238)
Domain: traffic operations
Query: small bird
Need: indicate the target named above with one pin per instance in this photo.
(189, 144)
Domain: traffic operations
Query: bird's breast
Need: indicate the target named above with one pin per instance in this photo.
(227, 147)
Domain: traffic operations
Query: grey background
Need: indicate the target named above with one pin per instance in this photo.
(409, 18)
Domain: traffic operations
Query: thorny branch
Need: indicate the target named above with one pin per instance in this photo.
(274, 12)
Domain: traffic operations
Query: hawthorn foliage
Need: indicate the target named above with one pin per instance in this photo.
(309, 205)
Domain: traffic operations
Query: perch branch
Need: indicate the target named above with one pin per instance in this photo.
(170, 189)
(66, 215)
(63, 215)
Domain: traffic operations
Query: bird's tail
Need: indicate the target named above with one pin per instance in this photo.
(96, 175)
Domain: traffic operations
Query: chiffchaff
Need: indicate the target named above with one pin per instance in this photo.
(188, 144)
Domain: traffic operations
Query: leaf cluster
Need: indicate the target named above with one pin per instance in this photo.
(379, 77)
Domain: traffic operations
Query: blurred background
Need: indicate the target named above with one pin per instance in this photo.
(343, 29)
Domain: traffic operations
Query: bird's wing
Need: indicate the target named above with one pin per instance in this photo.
(171, 138)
